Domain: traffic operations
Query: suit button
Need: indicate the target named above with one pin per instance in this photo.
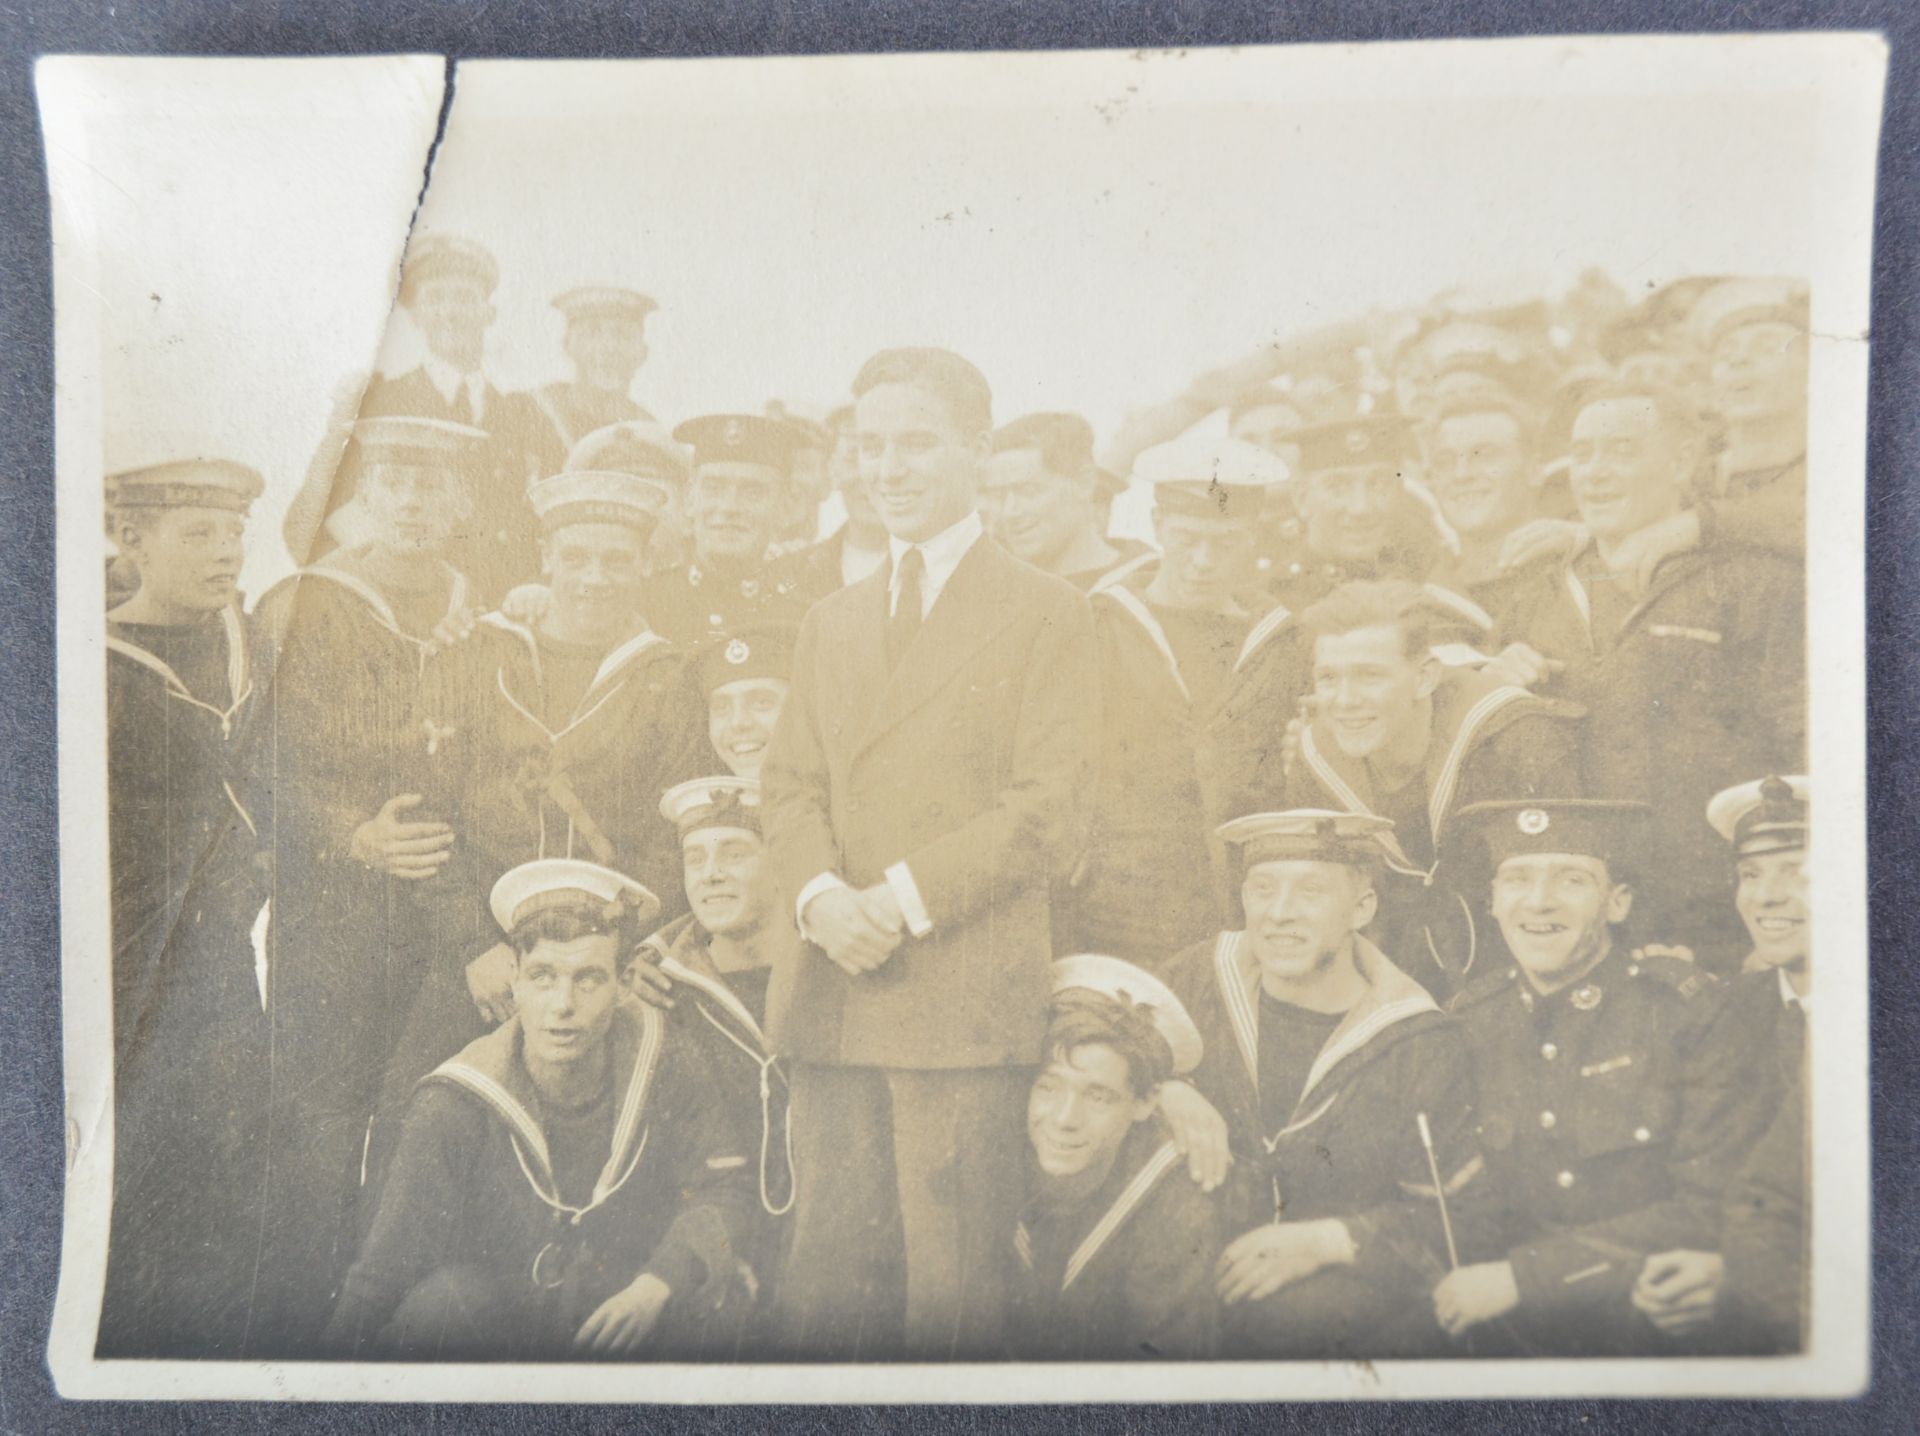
(1549, 1051)
(1564, 1180)
(1641, 1134)
(1547, 1119)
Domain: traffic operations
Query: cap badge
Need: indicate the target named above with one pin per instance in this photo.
(734, 431)
(1533, 822)
(1356, 441)
(1585, 997)
(737, 652)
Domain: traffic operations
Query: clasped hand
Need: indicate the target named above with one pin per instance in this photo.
(857, 929)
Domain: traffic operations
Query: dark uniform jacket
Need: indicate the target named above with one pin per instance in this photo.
(1763, 1233)
(1612, 1114)
(498, 545)
(473, 1188)
(1151, 882)
(693, 604)
(188, 1031)
(1704, 685)
(1126, 1274)
(1491, 741)
(1352, 1149)
(339, 733)
(968, 762)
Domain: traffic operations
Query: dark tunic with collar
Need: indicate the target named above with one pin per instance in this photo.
(189, 1033)
(1612, 1114)
(1350, 1149)
(1178, 690)
(1490, 741)
(477, 1203)
(696, 604)
(339, 733)
(1125, 1274)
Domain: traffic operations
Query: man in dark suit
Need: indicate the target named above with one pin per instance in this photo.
(921, 795)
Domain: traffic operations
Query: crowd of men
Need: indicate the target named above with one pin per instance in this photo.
(787, 889)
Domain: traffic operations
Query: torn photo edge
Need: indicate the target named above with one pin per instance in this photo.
(1846, 71)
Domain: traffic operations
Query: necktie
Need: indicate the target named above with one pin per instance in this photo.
(905, 622)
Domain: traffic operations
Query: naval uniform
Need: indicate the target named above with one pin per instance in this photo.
(1345, 1144)
(1124, 1274)
(1612, 1114)
(189, 1035)
(339, 734)
(506, 1222)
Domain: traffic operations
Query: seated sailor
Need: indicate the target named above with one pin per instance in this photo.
(1347, 1100)
(1117, 1243)
(572, 1184)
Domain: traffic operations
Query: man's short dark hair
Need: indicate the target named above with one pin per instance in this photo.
(1375, 603)
(1063, 441)
(959, 385)
(569, 924)
(1490, 401)
(1084, 1018)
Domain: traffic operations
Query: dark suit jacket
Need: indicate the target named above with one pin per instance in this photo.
(968, 763)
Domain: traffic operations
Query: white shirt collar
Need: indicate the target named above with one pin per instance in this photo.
(450, 381)
(941, 554)
(1787, 995)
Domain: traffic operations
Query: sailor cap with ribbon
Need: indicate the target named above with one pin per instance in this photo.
(585, 496)
(1208, 477)
(1122, 981)
(632, 446)
(719, 802)
(186, 483)
(549, 883)
(404, 439)
(1306, 835)
(1768, 815)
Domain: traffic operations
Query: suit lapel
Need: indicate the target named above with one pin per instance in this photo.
(967, 615)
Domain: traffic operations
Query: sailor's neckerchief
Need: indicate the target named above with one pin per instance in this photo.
(611, 676)
(1391, 998)
(382, 611)
(492, 1070)
(1162, 1160)
(666, 945)
(239, 685)
(1468, 723)
(1118, 587)
(608, 679)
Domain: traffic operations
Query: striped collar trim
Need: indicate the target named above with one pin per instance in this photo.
(1392, 997)
(239, 681)
(1136, 1191)
(530, 1143)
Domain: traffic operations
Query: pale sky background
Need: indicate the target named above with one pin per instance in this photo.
(1092, 230)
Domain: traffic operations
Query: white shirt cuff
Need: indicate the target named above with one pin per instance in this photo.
(825, 882)
(907, 893)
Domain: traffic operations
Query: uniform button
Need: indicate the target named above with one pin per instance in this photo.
(716, 620)
(1641, 1134)
(1633, 969)
(1547, 1119)
(1564, 1180)
(1549, 1051)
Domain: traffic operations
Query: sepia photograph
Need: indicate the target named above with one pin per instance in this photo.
(1009, 726)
